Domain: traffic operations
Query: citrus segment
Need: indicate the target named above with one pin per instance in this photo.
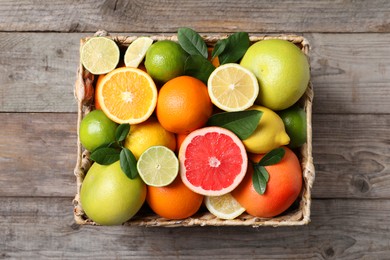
(136, 51)
(100, 55)
(213, 161)
(224, 207)
(232, 87)
(158, 166)
(127, 95)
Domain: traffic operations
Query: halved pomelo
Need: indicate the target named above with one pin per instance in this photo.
(213, 161)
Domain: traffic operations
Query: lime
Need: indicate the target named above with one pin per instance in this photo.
(294, 119)
(96, 129)
(109, 197)
(224, 207)
(136, 51)
(165, 60)
(282, 70)
(269, 134)
(100, 55)
(232, 87)
(158, 166)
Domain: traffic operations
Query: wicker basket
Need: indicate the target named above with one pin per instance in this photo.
(298, 214)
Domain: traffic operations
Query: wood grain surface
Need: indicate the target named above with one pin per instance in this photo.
(350, 68)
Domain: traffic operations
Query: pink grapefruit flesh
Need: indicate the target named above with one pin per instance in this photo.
(213, 161)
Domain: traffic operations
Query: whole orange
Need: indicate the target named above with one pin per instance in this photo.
(183, 105)
(179, 139)
(174, 201)
(283, 187)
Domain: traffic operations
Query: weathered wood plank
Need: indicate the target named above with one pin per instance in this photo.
(340, 229)
(224, 16)
(350, 72)
(351, 155)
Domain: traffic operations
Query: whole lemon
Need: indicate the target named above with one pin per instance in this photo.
(147, 134)
(282, 70)
(109, 197)
(96, 129)
(165, 60)
(269, 134)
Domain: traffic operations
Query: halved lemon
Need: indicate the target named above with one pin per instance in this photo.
(127, 95)
(224, 207)
(136, 51)
(232, 87)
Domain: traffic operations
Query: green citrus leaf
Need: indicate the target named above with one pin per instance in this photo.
(218, 48)
(128, 163)
(272, 157)
(236, 46)
(192, 42)
(198, 67)
(259, 179)
(105, 155)
(121, 132)
(242, 123)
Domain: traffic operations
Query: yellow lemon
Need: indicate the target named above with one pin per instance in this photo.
(269, 134)
(147, 134)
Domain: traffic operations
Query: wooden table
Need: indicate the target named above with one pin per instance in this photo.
(350, 59)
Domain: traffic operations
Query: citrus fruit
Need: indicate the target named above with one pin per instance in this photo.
(294, 119)
(158, 166)
(109, 197)
(179, 140)
(174, 201)
(224, 206)
(269, 134)
(165, 60)
(282, 69)
(213, 161)
(99, 55)
(283, 187)
(183, 105)
(214, 61)
(147, 134)
(136, 51)
(96, 129)
(232, 87)
(127, 95)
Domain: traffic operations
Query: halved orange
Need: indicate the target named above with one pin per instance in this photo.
(127, 95)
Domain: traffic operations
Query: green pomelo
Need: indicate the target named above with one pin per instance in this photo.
(109, 197)
(282, 70)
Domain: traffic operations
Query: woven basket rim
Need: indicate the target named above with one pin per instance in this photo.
(299, 216)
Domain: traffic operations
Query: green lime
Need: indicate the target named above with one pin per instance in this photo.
(109, 197)
(100, 55)
(165, 60)
(158, 166)
(294, 119)
(96, 129)
(282, 70)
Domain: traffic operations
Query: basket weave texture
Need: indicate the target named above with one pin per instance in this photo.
(299, 215)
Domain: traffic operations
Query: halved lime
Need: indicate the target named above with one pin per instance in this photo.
(100, 55)
(158, 166)
(136, 51)
(224, 206)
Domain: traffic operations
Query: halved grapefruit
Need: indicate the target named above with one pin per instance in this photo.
(213, 161)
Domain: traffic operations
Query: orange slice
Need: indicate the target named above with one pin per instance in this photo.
(127, 95)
